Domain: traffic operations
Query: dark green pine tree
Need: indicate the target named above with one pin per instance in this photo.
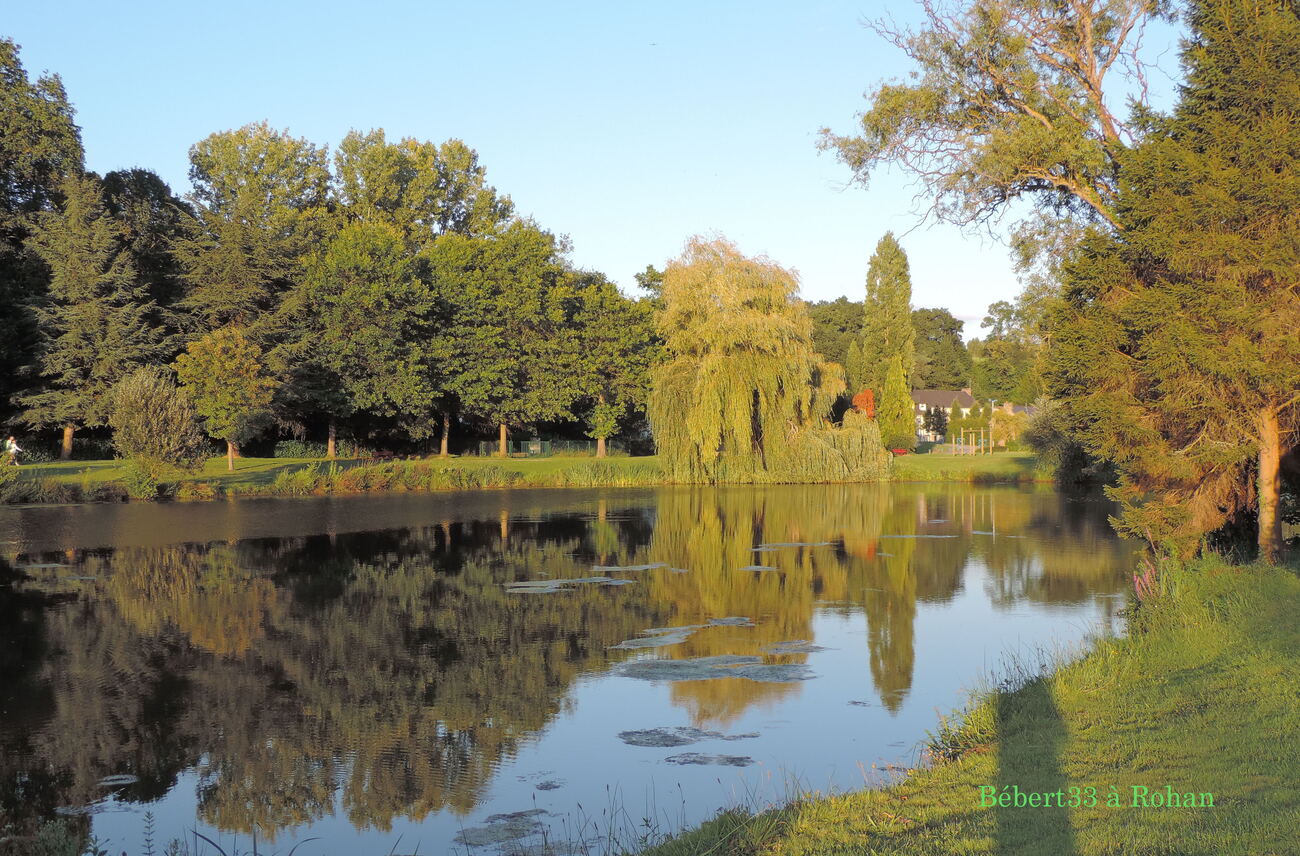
(1177, 349)
(887, 330)
(97, 320)
(40, 143)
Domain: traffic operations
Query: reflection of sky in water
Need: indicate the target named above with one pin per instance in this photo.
(906, 630)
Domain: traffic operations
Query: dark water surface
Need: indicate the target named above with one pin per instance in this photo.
(363, 670)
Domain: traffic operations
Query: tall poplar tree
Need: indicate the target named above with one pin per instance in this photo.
(887, 329)
(97, 320)
(1177, 348)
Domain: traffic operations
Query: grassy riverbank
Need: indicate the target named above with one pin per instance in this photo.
(1201, 697)
(85, 481)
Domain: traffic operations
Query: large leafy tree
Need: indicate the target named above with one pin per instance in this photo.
(616, 346)
(887, 330)
(223, 373)
(363, 332)
(98, 320)
(422, 188)
(505, 301)
(741, 378)
(260, 198)
(1177, 347)
(837, 325)
(40, 145)
(1011, 99)
(942, 361)
(1008, 361)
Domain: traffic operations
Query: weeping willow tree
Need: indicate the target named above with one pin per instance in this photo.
(743, 397)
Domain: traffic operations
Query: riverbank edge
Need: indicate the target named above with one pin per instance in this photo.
(111, 481)
(1197, 698)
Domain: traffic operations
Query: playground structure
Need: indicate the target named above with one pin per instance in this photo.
(971, 441)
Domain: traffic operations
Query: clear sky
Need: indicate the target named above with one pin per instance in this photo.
(626, 126)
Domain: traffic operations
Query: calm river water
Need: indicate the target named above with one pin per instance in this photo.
(371, 673)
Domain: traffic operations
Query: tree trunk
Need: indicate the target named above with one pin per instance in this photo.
(331, 444)
(446, 433)
(600, 447)
(230, 456)
(1270, 484)
(65, 451)
(501, 447)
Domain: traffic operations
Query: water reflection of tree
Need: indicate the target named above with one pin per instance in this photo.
(394, 672)
(399, 676)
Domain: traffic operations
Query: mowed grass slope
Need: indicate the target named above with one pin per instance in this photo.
(260, 472)
(1204, 696)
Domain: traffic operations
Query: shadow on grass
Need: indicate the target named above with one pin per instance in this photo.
(1031, 735)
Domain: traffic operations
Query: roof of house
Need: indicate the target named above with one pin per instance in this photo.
(944, 398)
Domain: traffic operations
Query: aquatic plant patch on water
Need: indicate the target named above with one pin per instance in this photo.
(118, 781)
(695, 758)
(605, 569)
(709, 668)
(680, 736)
(552, 586)
(660, 637)
(796, 646)
(503, 828)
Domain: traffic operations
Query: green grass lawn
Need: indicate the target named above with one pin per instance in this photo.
(259, 472)
(1203, 701)
(68, 481)
(998, 466)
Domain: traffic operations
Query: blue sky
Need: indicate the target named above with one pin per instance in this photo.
(626, 126)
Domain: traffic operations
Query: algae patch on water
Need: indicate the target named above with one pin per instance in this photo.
(503, 828)
(722, 760)
(709, 668)
(659, 637)
(605, 569)
(796, 646)
(680, 736)
(552, 586)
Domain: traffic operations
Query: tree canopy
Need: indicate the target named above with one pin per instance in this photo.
(1010, 100)
(1176, 347)
(887, 330)
(742, 395)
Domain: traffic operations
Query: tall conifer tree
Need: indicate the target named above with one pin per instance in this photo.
(897, 423)
(887, 330)
(1177, 349)
(97, 321)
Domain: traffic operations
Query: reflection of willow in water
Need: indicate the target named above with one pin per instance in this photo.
(1057, 550)
(399, 676)
(714, 535)
(391, 672)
